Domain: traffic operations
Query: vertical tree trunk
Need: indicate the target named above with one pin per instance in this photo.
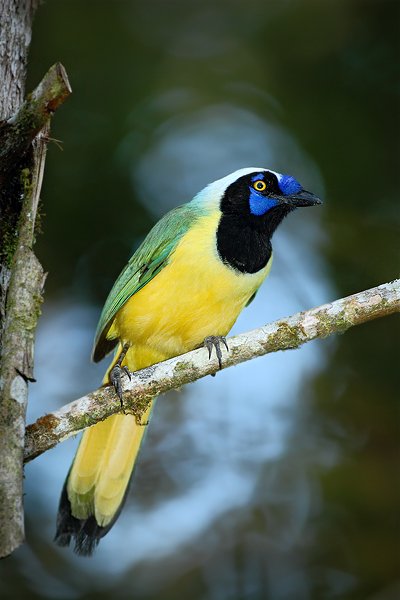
(16, 17)
(23, 141)
(15, 36)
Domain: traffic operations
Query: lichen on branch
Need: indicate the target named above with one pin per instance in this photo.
(292, 332)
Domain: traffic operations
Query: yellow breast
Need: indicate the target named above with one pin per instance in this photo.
(194, 296)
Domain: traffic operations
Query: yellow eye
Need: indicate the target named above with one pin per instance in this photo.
(259, 185)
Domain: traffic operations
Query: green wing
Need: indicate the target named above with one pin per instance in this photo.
(149, 259)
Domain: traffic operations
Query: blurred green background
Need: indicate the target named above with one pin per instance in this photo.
(278, 479)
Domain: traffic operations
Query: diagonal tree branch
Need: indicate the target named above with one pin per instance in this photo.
(292, 332)
(18, 132)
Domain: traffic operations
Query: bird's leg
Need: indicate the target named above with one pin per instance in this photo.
(214, 341)
(116, 373)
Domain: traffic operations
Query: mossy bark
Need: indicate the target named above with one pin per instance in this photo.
(15, 36)
(23, 141)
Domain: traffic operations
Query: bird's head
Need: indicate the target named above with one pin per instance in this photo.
(259, 192)
(252, 202)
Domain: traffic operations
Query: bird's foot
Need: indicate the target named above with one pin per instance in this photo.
(116, 379)
(214, 341)
(117, 372)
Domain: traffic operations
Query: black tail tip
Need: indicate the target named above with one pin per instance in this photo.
(85, 533)
(84, 544)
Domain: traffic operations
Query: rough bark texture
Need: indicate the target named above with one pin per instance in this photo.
(18, 132)
(23, 141)
(15, 37)
(292, 332)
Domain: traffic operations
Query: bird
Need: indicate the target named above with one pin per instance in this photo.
(183, 288)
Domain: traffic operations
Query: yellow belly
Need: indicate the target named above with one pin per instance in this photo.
(194, 296)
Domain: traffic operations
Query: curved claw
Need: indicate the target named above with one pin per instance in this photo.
(214, 341)
(127, 372)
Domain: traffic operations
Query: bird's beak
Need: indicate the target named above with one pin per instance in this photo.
(302, 198)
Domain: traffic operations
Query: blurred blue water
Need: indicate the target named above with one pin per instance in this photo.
(206, 144)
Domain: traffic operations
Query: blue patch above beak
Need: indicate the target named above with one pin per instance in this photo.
(289, 185)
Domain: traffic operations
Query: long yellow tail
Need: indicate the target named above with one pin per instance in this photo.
(96, 485)
(102, 467)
